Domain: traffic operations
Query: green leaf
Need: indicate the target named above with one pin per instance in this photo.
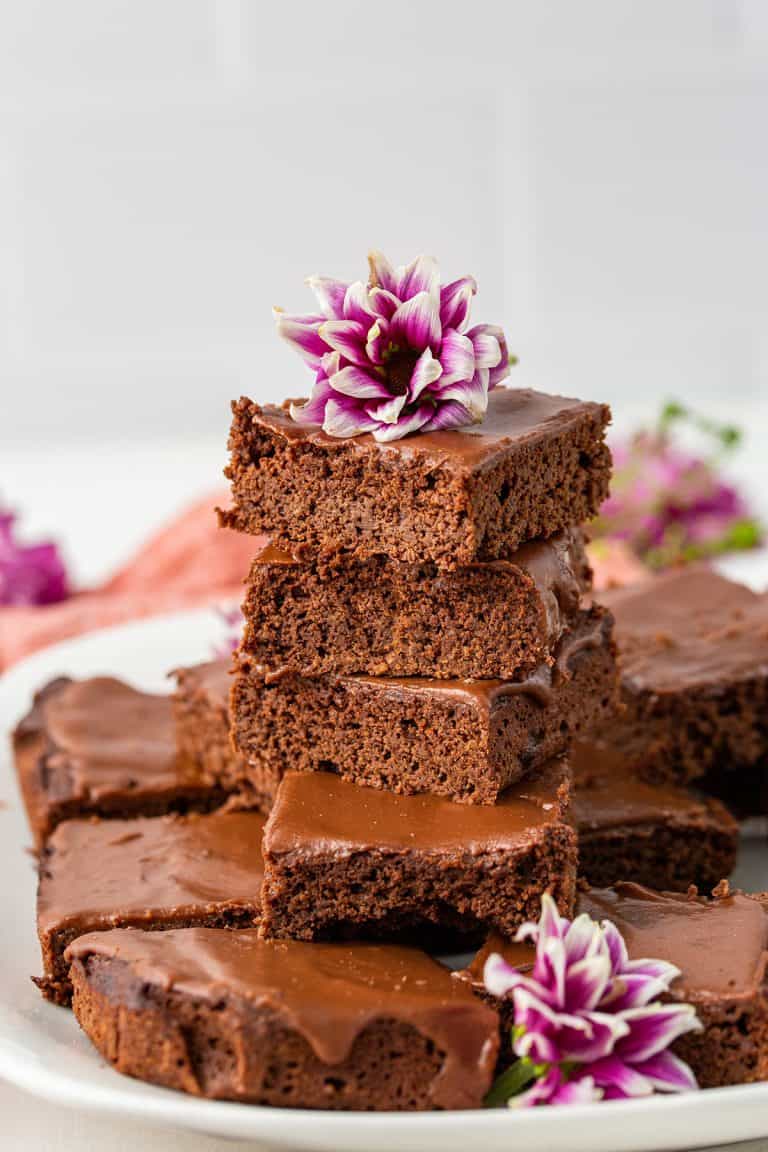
(511, 1082)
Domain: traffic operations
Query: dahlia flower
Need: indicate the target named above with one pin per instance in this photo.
(29, 573)
(671, 506)
(588, 1024)
(395, 355)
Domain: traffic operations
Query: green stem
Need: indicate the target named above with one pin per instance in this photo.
(511, 1082)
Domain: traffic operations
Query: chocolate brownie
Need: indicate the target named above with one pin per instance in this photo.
(342, 860)
(166, 872)
(99, 747)
(694, 679)
(535, 465)
(229, 1016)
(467, 739)
(720, 946)
(496, 619)
(664, 837)
(201, 713)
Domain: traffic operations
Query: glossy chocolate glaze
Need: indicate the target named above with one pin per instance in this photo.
(113, 740)
(689, 628)
(485, 694)
(318, 812)
(608, 795)
(328, 993)
(719, 945)
(97, 872)
(515, 417)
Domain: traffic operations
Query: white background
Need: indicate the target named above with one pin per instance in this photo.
(169, 169)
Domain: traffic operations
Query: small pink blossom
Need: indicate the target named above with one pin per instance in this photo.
(588, 1024)
(29, 573)
(395, 355)
(232, 619)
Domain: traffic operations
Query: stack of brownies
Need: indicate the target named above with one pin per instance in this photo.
(420, 678)
(416, 660)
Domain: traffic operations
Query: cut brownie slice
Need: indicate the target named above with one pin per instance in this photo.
(342, 860)
(721, 948)
(167, 872)
(229, 1016)
(694, 679)
(467, 739)
(99, 747)
(660, 836)
(201, 712)
(497, 619)
(535, 465)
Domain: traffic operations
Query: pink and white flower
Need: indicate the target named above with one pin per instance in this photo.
(588, 1024)
(395, 355)
(29, 573)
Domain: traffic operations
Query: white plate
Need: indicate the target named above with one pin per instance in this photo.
(42, 1050)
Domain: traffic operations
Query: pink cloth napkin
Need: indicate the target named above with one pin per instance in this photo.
(189, 564)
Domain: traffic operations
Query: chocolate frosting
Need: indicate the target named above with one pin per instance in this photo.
(519, 954)
(719, 945)
(485, 694)
(515, 417)
(688, 629)
(113, 740)
(328, 993)
(608, 795)
(97, 873)
(318, 812)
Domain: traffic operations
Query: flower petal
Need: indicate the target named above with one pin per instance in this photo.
(455, 302)
(457, 357)
(501, 370)
(486, 345)
(384, 303)
(387, 411)
(357, 305)
(668, 1073)
(473, 394)
(303, 333)
(654, 1028)
(425, 372)
(330, 295)
(615, 1075)
(421, 275)
(381, 273)
(586, 981)
(407, 424)
(313, 411)
(347, 337)
(362, 385)
(577, 1090)
(417, 322)
(597, 1041)
(343, 418)
(499, 977)
(376, 341)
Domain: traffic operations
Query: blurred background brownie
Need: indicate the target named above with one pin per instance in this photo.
(343, 860)
(694, 681)
(167, 872)
(536, 464)
(99, 747)
(498, 619)
(201, 714)
(468, 739)
(229, 1016)
(655, 834)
